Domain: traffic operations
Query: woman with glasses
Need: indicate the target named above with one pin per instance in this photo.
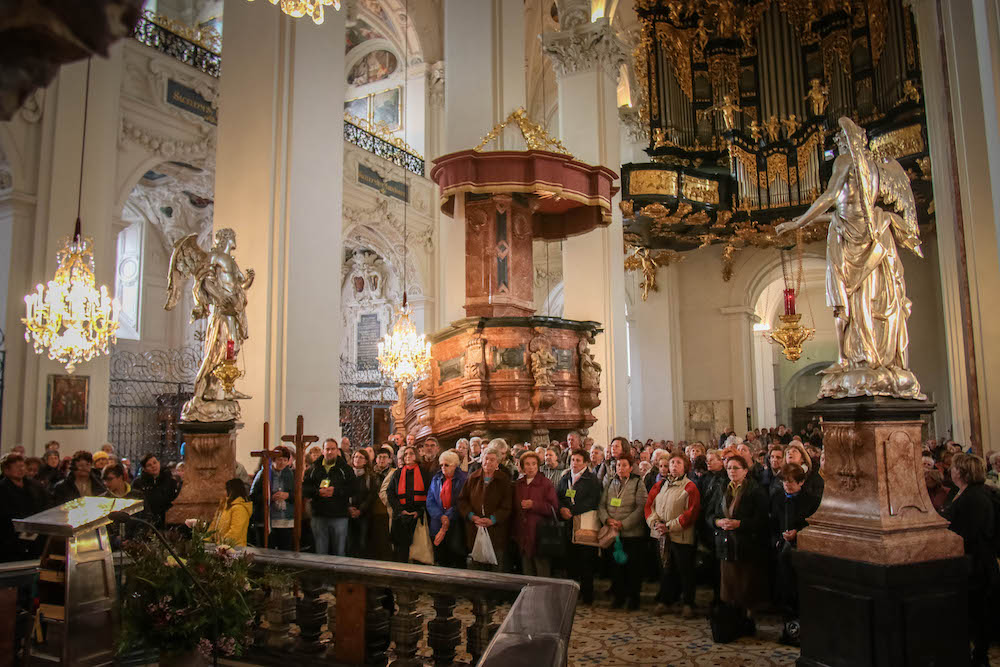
(446, 525)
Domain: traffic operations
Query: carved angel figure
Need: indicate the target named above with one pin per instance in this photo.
(773, 127)
(219, 292)
(590, 370)
(542, 361)
(475, 364)
(818, 96)
(864, 274)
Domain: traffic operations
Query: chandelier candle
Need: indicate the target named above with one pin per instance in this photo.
(789, 301)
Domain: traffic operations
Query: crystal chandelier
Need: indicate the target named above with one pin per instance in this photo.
(69, 316)
(310, 8)
(404, 355)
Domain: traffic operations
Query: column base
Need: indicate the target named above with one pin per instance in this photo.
(855, 613)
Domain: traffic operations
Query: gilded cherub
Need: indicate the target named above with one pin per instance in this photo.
(818, 96)
(773, 127)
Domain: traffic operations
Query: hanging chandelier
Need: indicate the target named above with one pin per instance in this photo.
(69, 316)
(404, 355)
(791, 334)
(311, 8)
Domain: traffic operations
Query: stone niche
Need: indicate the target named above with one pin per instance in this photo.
(520, 378)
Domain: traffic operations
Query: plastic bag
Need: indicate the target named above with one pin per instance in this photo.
(482, 550)
(619, 552)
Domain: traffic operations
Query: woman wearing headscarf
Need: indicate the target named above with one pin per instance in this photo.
(407, 496)
(534, 501)
(739, 514)
(446, 524)
(485, 501)
(621, 507)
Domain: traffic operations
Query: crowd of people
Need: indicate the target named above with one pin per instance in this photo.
(725, 516)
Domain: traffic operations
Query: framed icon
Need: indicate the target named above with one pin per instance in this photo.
(67, 402)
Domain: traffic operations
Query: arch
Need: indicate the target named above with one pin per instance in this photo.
(754, 277)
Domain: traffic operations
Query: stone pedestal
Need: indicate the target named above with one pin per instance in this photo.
(209, 462)
(881, 578)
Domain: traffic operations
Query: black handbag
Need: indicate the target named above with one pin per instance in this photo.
(551, 537)
(728, 622)
(454, 539)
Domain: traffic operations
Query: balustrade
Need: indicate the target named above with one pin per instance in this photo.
(428, 620)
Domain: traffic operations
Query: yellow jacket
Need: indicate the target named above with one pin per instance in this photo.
(230, 523)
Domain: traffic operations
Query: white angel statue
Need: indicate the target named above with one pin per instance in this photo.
(864, 274)
(219, 292)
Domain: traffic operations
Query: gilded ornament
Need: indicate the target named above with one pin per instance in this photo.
(791, 335)
(910, 92)
(535, 138)
(777, 168)
(207, 38)
(755, 131)
(653, 182)
(644, 260)
(791, 125)
(899, 143)
(700, 190)
(773, 128)
(381, 130)
(865, 279)
(818, 97)
(626, 205)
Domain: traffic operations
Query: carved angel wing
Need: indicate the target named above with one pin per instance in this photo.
(895, 190)
(186, 261)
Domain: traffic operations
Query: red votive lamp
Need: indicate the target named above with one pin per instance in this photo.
(789, 302)
(231, 344)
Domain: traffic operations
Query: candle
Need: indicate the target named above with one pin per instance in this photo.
(789, 302)
(231, 349)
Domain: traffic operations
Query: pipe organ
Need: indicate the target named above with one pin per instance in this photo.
(741, 99)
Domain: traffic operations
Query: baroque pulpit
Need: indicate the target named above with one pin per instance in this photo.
(502, 371)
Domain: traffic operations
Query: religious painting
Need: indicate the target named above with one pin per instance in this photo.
(387, 108)
(358, 107)
(357, 33)
(66, 403)
(451, 369)
(372, 67)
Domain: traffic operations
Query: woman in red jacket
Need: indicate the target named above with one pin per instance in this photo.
(534, 500)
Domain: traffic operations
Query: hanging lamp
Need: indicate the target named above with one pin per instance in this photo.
(791, 335)
(311, 8)
(404, 355)
(69, 317)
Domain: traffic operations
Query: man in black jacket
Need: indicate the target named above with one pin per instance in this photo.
(20, 497)
(579, 492)
(329, 484)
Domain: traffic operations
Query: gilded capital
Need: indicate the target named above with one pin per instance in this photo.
(584, 48)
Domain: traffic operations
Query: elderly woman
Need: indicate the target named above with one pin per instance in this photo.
(621, 508)
(579, 492)
(795, 452)
(462, 449)
(407, 497)
(738, 513)
(485, 501)
(672, 511)
(534, 501)
(446, 526)
(971, 516)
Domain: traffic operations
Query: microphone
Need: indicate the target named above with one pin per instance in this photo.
(119, 516)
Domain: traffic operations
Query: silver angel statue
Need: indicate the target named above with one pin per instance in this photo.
(219, 292)
(864, 274)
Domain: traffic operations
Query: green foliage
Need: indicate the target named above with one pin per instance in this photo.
(164, 609)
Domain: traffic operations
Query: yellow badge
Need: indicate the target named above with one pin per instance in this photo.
(325, 483)
(571, 493)
(616, 502)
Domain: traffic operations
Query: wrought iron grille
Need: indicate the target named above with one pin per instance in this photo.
(383, 149)
(148, 391)
(175, 46)
(365, 396)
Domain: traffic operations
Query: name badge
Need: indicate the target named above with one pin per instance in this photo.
(571, 493)
(616, 502)
(325, 483)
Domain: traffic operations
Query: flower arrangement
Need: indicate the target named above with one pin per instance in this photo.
(164, 609)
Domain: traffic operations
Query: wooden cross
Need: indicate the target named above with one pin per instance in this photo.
(267, 455)
(300, 441)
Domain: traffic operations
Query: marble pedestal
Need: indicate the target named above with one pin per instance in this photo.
(881, 578)
(209, 462)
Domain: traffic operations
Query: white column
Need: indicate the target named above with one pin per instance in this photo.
(484, 82)
(657, 403)
(279, 186)
(741, 319)
(961, 101)
(587, 59)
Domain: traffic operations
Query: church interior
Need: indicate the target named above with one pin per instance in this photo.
(685, 361)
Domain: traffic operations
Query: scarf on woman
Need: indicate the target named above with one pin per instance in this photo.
(446, 493)
(411, 485)
(731, 498)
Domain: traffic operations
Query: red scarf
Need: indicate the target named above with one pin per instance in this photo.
(446, 493)
(410, 476)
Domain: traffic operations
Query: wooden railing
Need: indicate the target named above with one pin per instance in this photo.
(351, 596)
